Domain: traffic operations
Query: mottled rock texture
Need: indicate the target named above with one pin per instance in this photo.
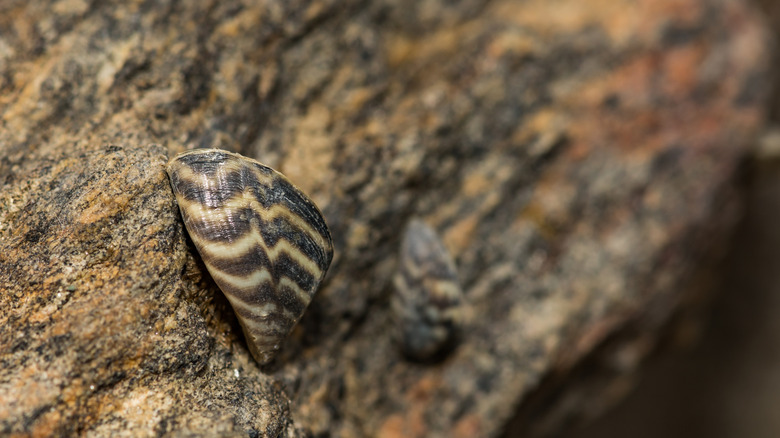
(575, 157)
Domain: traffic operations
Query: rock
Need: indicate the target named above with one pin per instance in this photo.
(576, 160)
(108, 331)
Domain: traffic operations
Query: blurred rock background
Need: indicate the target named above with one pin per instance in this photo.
(726, 383)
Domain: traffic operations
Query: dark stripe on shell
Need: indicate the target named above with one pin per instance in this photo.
(283, 266)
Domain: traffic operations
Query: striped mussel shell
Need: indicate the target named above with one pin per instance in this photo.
(428, 301)
(264, 242)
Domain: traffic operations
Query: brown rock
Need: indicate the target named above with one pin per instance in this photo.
(105, 323)
(576, 159)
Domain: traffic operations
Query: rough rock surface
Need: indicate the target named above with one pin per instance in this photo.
(105, 330)
(575, 158)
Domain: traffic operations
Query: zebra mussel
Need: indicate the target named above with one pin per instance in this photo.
(427, 302)
(264, 242)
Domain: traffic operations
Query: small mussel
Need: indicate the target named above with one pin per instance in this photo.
(428, 302)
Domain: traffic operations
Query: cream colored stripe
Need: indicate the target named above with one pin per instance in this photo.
(302, 294)
(261, 310)
(227, 212)
(256, 279)
(446, 289)
(252, 281)
(279, 210)
(247, 243)
(203, 181)
(259, 328)
(413, 270)
(196, 209)
(232, 165)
